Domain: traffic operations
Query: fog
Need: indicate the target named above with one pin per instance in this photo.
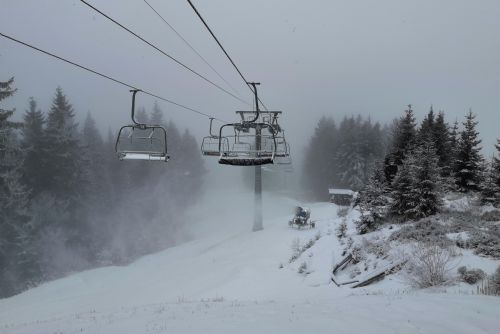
(321, 57)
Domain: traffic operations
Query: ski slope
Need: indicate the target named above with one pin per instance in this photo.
(231, 280)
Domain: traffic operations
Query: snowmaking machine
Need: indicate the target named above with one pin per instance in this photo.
(302, 218)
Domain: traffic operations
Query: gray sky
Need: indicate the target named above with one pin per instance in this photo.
(312, 57)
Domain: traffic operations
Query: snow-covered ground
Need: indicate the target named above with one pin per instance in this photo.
(231, 280)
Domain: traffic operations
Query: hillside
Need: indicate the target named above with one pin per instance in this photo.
(229, 280)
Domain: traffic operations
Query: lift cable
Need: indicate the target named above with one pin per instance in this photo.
(110, 78)
(192, 48)
(163, 52)
(224, 50)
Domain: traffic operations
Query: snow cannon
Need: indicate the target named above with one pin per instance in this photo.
(302, 218)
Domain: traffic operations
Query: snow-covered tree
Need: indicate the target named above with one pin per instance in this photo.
(426, 189)
(417, 185)
(468, 160)
(403, 185)
(442, 143)
(403, 140)
(13, 197)
(490, 191)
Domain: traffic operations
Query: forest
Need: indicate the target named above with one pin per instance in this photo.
(68, 204)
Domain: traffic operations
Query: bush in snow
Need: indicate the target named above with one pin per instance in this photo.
(377, 248)
(302, 268)
(471, 276)
(491, 216)
(429, 265)
(428, 230)
(486, 242)
(341, 230)
(357, 255)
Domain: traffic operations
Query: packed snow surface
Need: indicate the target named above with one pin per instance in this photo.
(231, 280)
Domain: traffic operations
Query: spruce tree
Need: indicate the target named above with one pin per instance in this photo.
(66, 176)
(403, 186)
(33, 144)
(468, 161)
(426, 189)
(496, 165)
(13, 198)
(442, 143)
(63, 151)
(403, 140)
(490, 191)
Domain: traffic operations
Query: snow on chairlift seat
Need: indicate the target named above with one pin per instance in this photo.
(245, 159)
(243, 154)
(151, 156)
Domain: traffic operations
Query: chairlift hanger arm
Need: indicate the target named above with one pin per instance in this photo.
(134, 92)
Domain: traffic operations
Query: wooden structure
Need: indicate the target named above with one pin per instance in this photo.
(342, 197)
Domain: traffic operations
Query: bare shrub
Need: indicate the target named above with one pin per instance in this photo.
(471, 276)
(491, 216)
(341, 230)
(302, 268)
(429, 265)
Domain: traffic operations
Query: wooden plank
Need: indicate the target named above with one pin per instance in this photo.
(380, 275)
(344, 261)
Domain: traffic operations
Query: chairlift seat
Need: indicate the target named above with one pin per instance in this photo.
(142, 142)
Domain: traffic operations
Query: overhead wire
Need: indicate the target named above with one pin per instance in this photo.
(223, 49)
(162, 52)
(123, 83)
(191, 47)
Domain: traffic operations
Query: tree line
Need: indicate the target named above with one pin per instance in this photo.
(67, 203)
(422, 164)
(342, 156)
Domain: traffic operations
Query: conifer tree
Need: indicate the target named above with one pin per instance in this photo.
(403, 140)
(13, 198)
(442, 143)
(63, 151)
(490, 191)
(33, 144)
(426, 189)
(468, 161)
(496, 165)
(403, 185)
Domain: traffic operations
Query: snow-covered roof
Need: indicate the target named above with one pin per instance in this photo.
(333, 191)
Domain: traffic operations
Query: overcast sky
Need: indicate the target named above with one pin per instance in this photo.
(312, 57)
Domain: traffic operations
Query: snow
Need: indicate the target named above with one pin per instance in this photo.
(231, 280)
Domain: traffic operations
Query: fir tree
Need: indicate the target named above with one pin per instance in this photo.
(63, 151)
(403, 185)
(496, 165)
(490, 191)
(442, 143)
(33, 144)
(403, 140)
(426, 188)
(13, 198)
(468, 161)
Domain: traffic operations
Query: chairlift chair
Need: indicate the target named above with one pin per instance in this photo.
(244, 150)
(140, 141)
(210, 144)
